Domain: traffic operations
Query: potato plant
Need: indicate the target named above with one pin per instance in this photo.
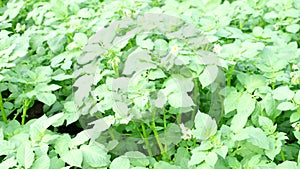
(149, 84)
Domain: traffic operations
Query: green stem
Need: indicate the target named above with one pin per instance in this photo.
(165, 129)
(231, 69)
(4, 117)
(241, 24)
(25, 107)
(111, 134)
(195, 98)
(178, 118)
(145, 137)
(282, 155)
(157, 136)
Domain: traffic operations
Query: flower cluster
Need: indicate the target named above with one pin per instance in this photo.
(186, 133)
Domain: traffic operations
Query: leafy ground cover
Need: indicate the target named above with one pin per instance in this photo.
(150, 84)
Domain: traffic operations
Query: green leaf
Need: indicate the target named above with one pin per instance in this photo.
(177, 100)
(137, 158)
(284, 106)
(80, 138)
(59, 8)
(257, 31)
(61, 77)
(288, 165)
(257, 137)
(197, 158)
(6, 147)
(295, 116)
(42, 162)
(283, 93)
(266, 124)
(230, 101)
(57, 43)
(8, 163)
(25, 155)
(245, 107)
(297, 97)
(156, 74)
(62, 144)
(120, 162)
(205, 126)
(252, 82)
(222, 151)
(94, 155)
(172, 135)
(209, 75)
(293, 28)
(47, 98)
(211, 158)
(56, 163)
(73, 157)
(182, 157)
(80, 39)
(164, 165)
(43, 87)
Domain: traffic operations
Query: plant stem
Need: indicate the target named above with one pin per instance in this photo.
(282, 155)
(2, 109)
(195, 98)
(231, 69)
(25, 107)
(111, 134)
(157, 136)
(165, 129)
(145, 137)
(241, 24)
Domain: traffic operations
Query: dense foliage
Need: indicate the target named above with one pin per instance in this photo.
(163, 84)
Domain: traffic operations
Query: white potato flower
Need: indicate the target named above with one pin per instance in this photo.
(174, 49)
(186, 133)
(295, 67)
(217, 48)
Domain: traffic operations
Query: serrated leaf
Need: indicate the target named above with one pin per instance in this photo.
(25, 155)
